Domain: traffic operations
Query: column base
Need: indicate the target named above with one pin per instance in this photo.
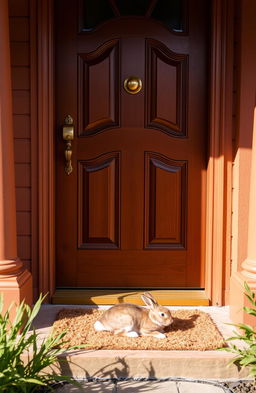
(238, 300)
(15, 287)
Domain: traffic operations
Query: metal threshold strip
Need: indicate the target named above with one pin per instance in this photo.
(99, 296)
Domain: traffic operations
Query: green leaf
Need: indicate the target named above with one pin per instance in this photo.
(16, 376)
(234, 338)
(33, 381)
(245, 327)
(245, 356)
(250, 311)
(248, 360)
(227, 349)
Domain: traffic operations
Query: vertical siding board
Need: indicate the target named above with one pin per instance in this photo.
(18, 7)
(21, 126)
(21, 102)
(23, 175)
(23, 223)
(34, 144)
(22, 153)
(24, 247)
(23, 199)
(19, 29)
(20, 55)
(19, 14)
(20, 78)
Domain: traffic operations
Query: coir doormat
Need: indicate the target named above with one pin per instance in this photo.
(191, 330)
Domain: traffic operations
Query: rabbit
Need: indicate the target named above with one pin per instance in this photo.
(131, 320)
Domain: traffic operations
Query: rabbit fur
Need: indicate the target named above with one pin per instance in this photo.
(133, 321)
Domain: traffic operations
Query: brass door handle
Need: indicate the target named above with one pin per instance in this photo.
(133, 84)
(68, 136)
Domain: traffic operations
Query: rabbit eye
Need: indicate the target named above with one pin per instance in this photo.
(162, 314)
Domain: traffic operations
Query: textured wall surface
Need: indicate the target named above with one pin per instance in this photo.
(19, 12)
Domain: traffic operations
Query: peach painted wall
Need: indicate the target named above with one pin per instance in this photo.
(244, 110)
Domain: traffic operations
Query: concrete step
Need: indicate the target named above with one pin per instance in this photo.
(158, 364)
(146, 363)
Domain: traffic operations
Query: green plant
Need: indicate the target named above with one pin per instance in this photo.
(245, 356)
(18, 339)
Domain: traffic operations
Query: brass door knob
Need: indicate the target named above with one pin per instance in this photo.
(133, 84)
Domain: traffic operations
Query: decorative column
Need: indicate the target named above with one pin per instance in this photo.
(248, 266)
(15, 281)
(245, 270)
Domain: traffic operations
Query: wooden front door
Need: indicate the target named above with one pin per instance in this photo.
(132, 211)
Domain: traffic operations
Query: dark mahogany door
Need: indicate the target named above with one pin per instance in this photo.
(132, 212)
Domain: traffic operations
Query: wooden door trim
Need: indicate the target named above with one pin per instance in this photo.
(219, 171)
(46, 149)
(219, 165)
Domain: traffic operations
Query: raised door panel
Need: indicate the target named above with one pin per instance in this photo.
(98, 89)
(99, 205)
(167, 89)
(166, 202)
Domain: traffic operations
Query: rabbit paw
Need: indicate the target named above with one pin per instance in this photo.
(160, 335)
(99, 326)
(132, 334)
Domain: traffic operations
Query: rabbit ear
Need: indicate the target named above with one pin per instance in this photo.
(149, 300)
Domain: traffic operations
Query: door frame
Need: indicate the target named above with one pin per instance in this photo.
(219, 169)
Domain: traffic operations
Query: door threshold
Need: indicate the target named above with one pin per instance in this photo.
(168, 297)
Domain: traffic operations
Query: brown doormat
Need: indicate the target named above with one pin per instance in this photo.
(191, 330)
